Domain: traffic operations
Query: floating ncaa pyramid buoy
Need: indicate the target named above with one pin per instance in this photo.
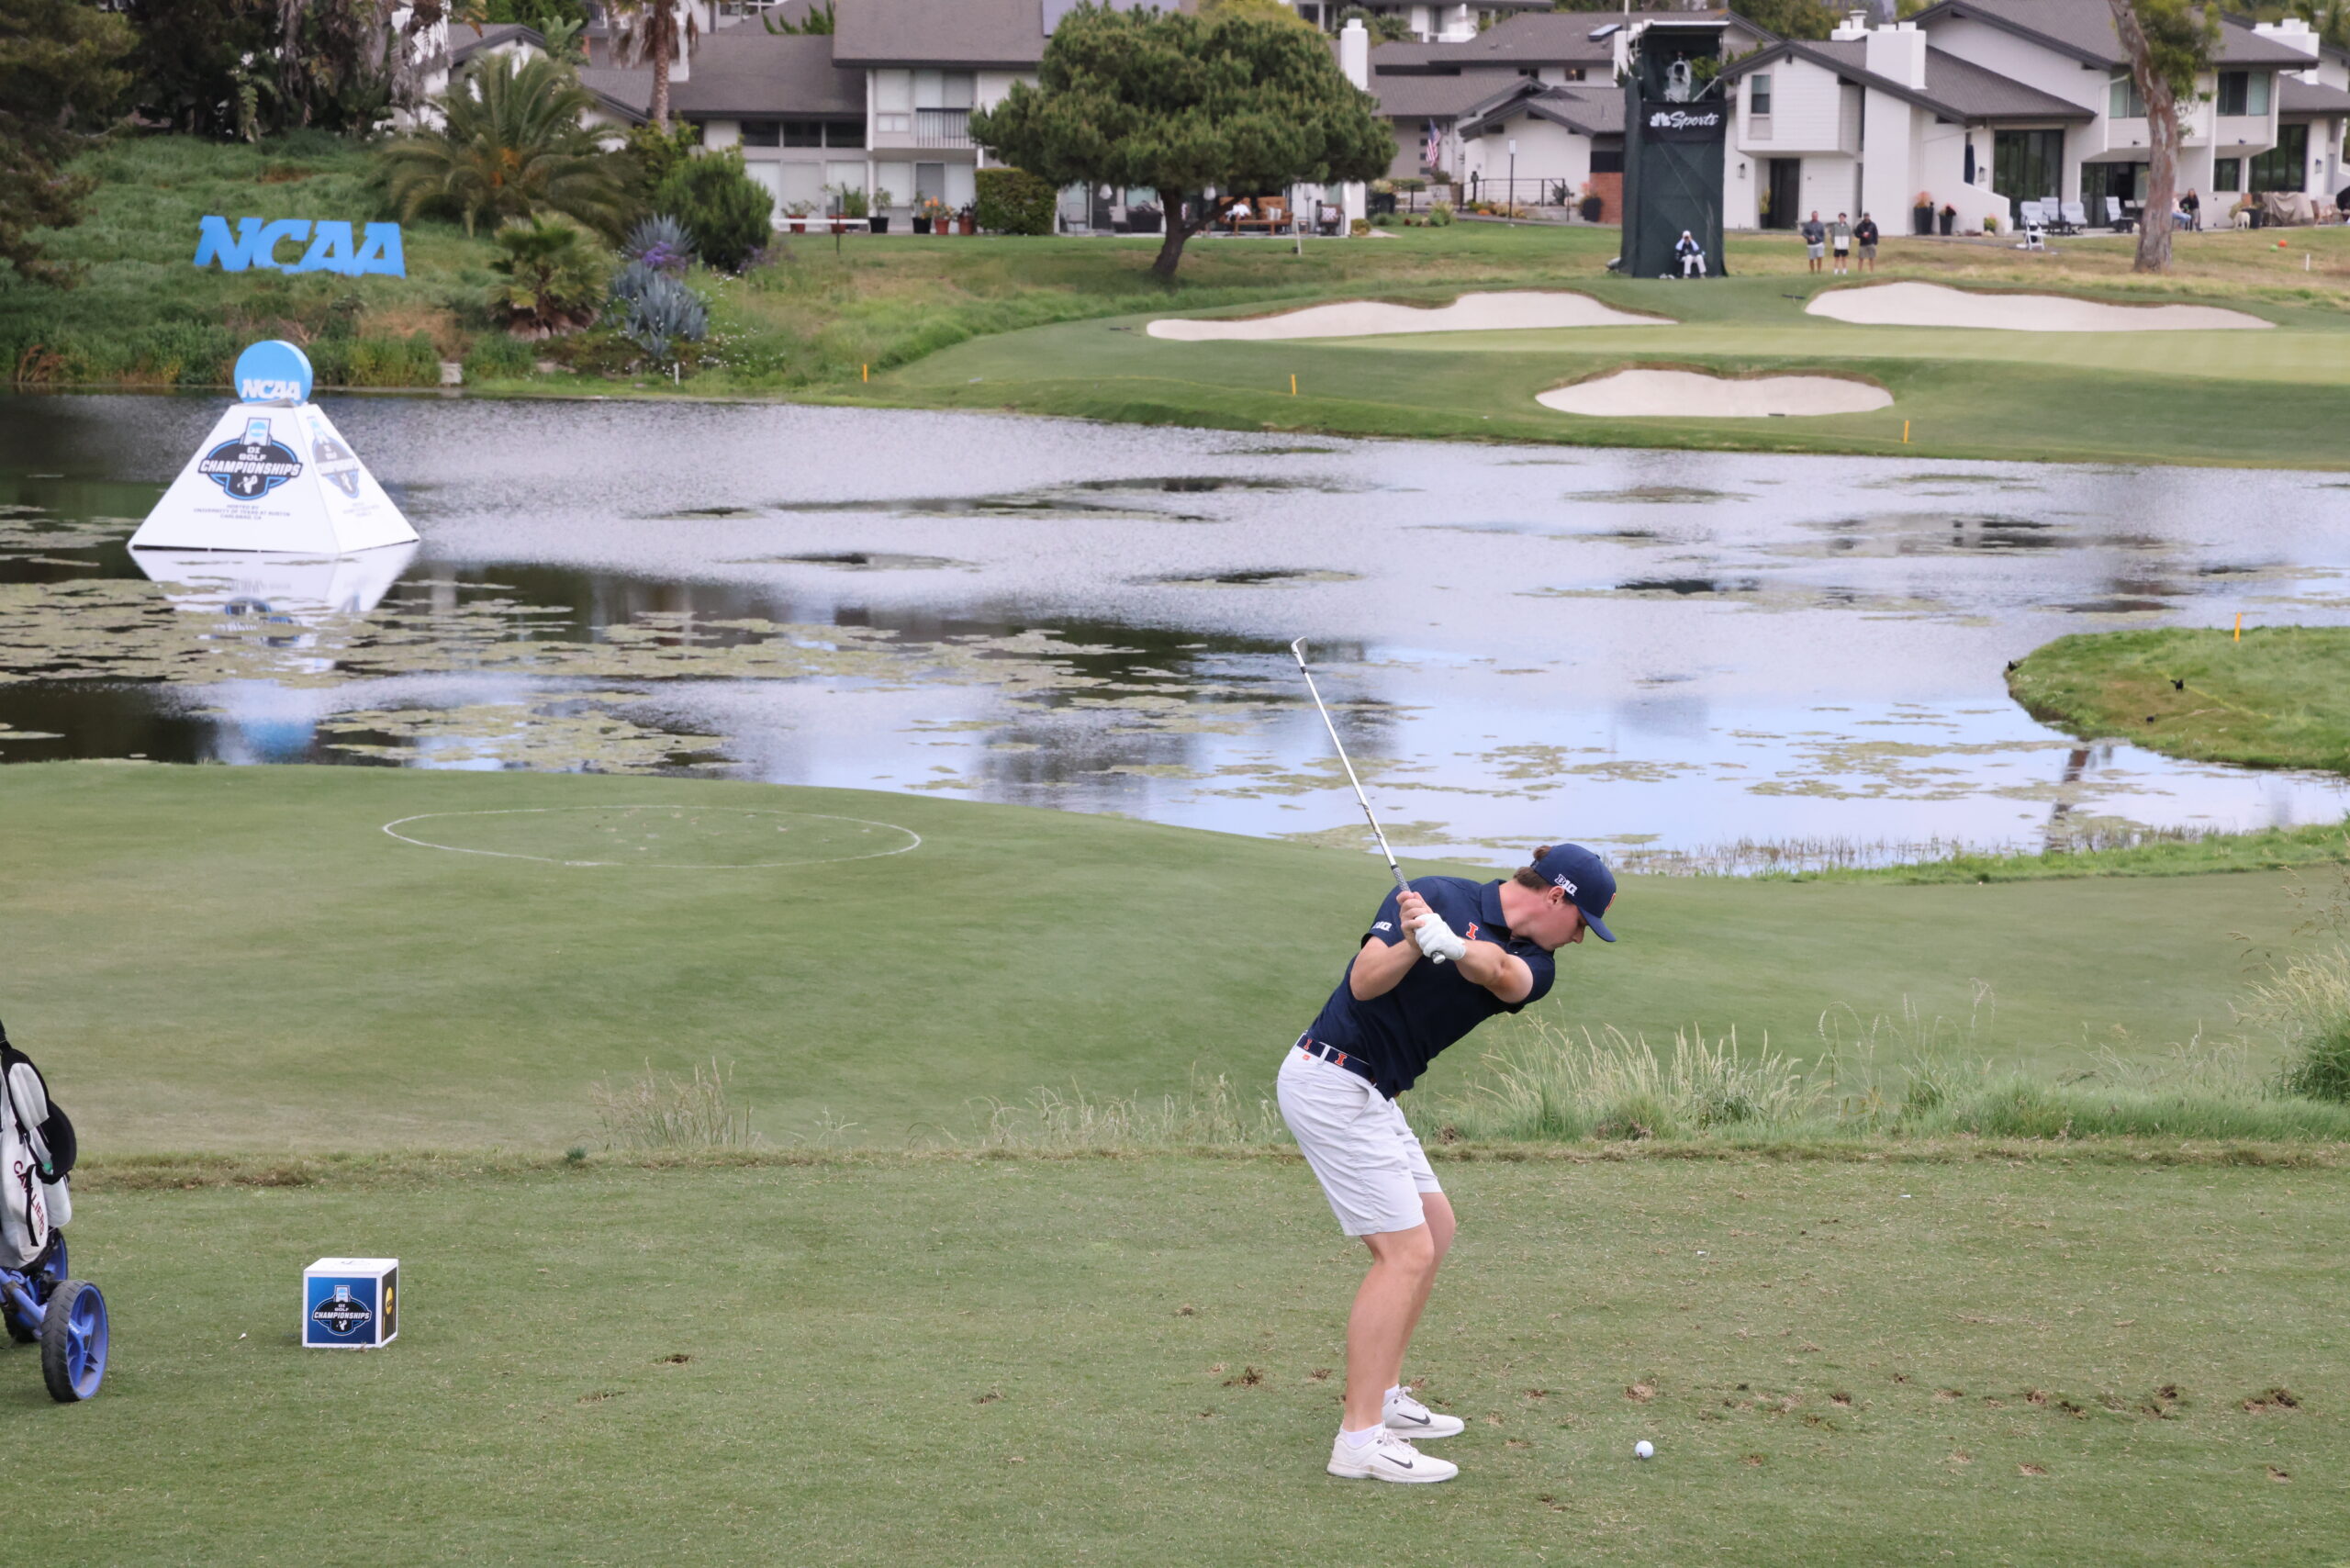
(275, 474)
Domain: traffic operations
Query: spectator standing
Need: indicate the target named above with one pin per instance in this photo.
(1815, 239)
(1865, 235)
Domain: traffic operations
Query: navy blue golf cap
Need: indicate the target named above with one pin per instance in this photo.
(1586, 878)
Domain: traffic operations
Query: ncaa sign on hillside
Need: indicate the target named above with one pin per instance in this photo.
(328, 246)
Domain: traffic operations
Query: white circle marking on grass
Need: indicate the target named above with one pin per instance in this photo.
(1933, 305)
(1690, 394)
(391, 827)
(1516, 310)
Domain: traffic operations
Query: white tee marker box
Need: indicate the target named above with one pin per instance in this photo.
(350, 1303)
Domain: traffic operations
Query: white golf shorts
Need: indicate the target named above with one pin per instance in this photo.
(1366, 1156)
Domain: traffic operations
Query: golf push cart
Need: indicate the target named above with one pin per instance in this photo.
(38, 1299)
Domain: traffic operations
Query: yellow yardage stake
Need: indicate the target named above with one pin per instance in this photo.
(1292, 384)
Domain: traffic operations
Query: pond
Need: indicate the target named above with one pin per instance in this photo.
(1699, 660)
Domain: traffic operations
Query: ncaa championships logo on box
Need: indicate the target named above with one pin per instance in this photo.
(350, 1303)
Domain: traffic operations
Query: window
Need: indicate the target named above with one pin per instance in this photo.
(1607, 160)
(1758, 94)
(2028, 165)
(803, 133)
(2123, 101)
(761, 133)
(946, 89)
(2227, 174)
(2244, 92)
(2283, 166)
(849, 133)
(2123, 182)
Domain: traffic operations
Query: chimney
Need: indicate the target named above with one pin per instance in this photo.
(1855, 25)
(1899, 54)
(1354, 53)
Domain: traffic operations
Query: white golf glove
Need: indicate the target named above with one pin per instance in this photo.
(1438, 942)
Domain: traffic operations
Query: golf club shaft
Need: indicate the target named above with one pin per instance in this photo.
(1297, 650)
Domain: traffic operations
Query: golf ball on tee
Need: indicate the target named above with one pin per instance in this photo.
(1644, 1450)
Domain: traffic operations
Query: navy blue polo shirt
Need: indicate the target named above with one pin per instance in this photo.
(1433, 1005)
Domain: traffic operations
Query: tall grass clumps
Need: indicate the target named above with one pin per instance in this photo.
(654, 1110)
(2307, 1005)
(1213, 1113)
(1552, 1083)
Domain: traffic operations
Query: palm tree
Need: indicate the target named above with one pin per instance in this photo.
(655, 30)
(510, 145)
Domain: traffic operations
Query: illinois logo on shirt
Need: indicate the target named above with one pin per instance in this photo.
(1472, 931)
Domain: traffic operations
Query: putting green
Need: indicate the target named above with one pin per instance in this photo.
(242, 958)
(667, 836)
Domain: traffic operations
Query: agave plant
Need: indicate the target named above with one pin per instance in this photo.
(555, 277)
(510, 145)
(662, 243)
(658, 312)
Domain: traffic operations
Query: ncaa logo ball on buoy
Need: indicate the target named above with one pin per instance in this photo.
(274, 371)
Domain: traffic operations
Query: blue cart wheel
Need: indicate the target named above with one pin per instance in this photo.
(74, 1341)
(47, 1271)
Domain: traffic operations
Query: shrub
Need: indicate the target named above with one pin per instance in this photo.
(1013, 201)
(497, 357)
(512, 147)
(656, 312)
(728, 214)
(661, 243)
(1439, 215)
(554, 279)
(849, 201)
(649, 156)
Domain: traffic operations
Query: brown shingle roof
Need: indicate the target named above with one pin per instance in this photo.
(1956, 89)
(2084, 29)
(1447, 96)
(2295, 96)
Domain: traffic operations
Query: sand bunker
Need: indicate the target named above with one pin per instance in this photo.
(1691, 395)
(1931, 305)
(1507, 312)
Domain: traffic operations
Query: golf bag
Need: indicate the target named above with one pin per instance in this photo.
(36, 1153)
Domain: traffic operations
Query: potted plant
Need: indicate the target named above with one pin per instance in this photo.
(1592, 205)
(967, 220)
(1950, 217)
(878, 219)
(1922, 216)
(795, 216)
(1990, 223)
(849, 204)
(930, 217)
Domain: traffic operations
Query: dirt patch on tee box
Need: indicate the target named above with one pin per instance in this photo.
(1518, 310)
(1694, 395)
(1933, 305)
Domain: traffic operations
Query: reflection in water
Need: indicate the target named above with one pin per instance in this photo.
(1680, 650)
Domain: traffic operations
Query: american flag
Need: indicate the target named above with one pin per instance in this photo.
(1432, 149)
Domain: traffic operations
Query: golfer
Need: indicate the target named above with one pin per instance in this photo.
(1436, 963)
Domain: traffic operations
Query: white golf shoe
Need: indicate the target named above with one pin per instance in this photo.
(1387, 1458)
(1407, 1417)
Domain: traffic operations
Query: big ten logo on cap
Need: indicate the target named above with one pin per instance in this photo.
(329, 249)
(274, 371)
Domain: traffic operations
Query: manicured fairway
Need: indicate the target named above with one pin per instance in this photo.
(241, 958)
(2270, 398)
(1115, 1360)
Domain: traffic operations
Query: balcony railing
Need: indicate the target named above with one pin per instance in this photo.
(942, 127)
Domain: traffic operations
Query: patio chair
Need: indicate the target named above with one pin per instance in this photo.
(2076, 216)
(2028, 214)
(2115, 219)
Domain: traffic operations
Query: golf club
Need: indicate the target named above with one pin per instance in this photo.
(1297, 650)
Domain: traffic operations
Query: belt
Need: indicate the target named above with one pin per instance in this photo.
(1337, 1058)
